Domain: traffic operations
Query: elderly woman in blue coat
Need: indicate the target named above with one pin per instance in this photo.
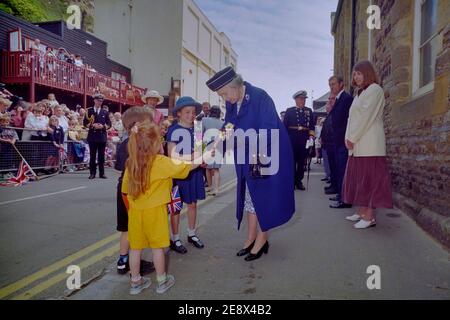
(264, 167)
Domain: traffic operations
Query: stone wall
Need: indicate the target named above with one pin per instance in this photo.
(342, 42)
(361, 31)
(417, 127)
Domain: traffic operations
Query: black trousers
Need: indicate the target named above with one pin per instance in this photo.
(300, 156)
(94, 148)
(341, 157)
(331, 152)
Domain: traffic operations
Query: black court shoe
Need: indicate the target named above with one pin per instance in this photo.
(177, 246)
(196, 242)
(300, 186)
(245, 251)
(264, 249)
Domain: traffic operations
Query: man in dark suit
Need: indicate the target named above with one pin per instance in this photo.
(327, 141)
(339, 115)
(97, 120)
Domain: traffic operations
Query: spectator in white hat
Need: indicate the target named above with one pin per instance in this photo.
(151, 100)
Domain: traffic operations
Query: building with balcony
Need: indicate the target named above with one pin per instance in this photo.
(169, 45)
(33, 76)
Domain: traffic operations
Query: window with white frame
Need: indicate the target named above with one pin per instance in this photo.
(427, 44)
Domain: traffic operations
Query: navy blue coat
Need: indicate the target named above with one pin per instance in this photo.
(339, 114)
(273, 196)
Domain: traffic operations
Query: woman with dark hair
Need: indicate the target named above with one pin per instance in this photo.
(367, 183)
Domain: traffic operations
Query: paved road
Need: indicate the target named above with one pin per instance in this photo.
(317, 255)
(45, 222)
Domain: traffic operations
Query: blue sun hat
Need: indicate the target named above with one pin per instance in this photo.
(187, 102)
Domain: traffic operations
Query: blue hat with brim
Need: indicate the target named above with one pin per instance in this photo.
(221, 79)
(187, 102)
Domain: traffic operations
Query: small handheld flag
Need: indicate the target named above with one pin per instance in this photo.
(175, 204)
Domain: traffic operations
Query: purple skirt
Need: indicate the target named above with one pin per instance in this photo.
(367, 183)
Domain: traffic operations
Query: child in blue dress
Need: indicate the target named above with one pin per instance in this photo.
(180, 144)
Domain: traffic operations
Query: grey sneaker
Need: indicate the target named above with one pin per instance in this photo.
(137, 288)
(166, 285)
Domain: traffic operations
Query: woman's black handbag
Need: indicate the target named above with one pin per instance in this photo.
(255, 168)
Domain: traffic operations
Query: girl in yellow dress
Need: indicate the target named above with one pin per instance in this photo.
(146, 187)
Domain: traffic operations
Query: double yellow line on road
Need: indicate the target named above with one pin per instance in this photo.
(10, 290)
(62, 264)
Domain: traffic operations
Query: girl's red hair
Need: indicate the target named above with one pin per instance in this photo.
(143, 146)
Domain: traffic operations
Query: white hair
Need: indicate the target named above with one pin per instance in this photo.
(237, 82)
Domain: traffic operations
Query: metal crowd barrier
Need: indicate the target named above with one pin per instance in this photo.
(44, 155)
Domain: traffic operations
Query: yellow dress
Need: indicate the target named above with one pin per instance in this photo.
(148, 221)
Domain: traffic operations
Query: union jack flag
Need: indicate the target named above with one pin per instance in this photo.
(62, 154)
(175, 204)
(24, 174)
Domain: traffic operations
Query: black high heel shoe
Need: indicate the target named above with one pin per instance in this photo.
(245, 251)
(264, 249)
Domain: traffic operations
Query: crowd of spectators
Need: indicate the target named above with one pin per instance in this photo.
(54, 122)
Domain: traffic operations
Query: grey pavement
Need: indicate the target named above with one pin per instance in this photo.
(41, 224)
(317, 255)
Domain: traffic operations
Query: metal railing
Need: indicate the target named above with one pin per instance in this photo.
(33, 67)
(44, 155)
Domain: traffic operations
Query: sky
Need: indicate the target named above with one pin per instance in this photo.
(283, 46)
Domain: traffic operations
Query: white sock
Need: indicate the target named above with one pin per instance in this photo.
(161, 278)
(191, 233)
(136, 279)
(175, 237)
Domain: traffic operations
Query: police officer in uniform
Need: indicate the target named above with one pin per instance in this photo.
(98, 122)
(299, 122)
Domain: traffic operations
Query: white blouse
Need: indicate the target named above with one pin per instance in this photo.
(37, 123)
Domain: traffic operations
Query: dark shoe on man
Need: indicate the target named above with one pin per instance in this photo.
(196, 242)
(147, 267)
(324, 179)
(103, 177)
(178, 246)
(334, 199)
(92, 176)
(340, 205)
